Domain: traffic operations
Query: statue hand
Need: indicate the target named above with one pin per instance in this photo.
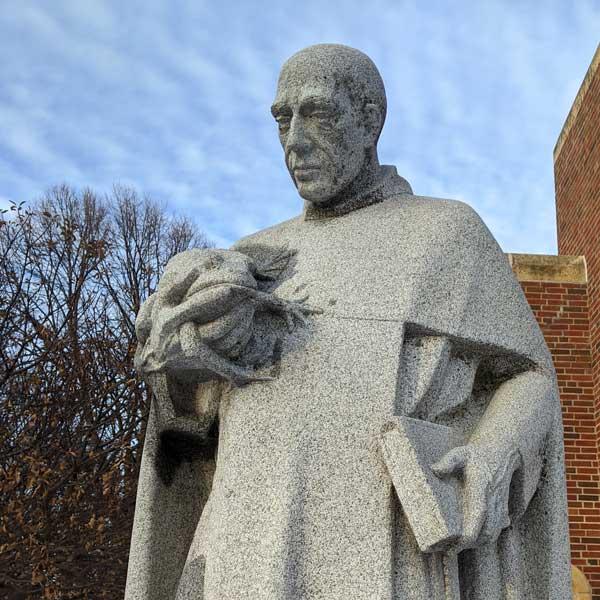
(486, 488)
(217, 303)
(168, 348)
(203, 312)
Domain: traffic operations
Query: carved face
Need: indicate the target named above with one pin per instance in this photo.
(322, 132)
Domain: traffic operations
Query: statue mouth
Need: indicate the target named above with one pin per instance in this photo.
(306, 173)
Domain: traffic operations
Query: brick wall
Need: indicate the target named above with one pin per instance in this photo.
(562, 312)
(577, 184)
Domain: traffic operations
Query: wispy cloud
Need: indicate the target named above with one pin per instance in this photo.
(173, 98)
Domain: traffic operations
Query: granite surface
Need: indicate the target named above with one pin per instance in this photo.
(356, 403)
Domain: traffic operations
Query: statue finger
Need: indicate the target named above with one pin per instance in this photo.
(452, 462)
(205, 306)
(498, 515)
(475, 502)
(173, 291)
(301, 307)
(225, 324)
(304, 309)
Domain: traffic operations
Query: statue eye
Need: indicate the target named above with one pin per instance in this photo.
(323, 117)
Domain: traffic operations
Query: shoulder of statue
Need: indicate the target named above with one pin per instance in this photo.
(444, 214)
(272, 233)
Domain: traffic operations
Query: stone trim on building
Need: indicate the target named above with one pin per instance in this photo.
(551, 268)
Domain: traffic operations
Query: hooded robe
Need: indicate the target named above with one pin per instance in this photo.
(299, 503)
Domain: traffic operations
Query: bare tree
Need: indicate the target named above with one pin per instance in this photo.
(74, 270)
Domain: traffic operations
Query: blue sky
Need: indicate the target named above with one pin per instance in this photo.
(173, 98)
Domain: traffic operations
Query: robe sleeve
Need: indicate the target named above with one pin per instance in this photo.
(470, 296)
(497, 348)
(524, 404)
(170, 499)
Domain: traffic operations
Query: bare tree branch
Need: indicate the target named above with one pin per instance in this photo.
(74, 270)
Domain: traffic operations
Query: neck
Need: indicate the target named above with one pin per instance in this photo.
(368, 178)
(374, 184)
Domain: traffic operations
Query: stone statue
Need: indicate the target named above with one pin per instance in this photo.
(355, 403)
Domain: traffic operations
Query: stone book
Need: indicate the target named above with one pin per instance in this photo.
(431, 504)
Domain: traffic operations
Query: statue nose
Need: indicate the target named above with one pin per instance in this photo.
(297, 141)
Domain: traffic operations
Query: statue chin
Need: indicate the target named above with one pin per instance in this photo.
(320, 200)
(326, 194)
(319, 195)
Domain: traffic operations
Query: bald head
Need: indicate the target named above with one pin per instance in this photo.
(341, 66)
(330, 107)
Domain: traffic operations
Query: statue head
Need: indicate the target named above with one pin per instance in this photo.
(330, 108)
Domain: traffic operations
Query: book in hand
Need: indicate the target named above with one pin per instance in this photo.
(431, 504)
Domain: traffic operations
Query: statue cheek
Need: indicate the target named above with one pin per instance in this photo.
(349, 163)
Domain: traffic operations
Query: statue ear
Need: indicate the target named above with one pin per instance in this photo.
(373, 116)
